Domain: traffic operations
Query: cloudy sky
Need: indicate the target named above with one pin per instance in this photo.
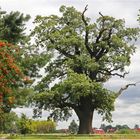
(127, 106)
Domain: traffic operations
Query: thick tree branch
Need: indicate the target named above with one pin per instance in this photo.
(97, 52)
(101, 14)
(83, 17)
(77, 51)
(109, 72)
(125, 88)
(100, 34)
(100, 52)
(102, 29)
(62, 51)
(120, 75)
(63, 104)
(86, 32)
(109, 36)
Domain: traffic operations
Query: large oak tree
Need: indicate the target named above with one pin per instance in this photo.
(84, 55)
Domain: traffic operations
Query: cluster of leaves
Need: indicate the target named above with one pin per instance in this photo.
(12, 27)
(73, 127)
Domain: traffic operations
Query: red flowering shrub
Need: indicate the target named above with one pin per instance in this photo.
(10, 73)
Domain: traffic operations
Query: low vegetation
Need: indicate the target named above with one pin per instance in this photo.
(76, 137)
(14, 125)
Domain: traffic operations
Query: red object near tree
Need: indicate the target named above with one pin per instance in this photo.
(98, 131)
(137, 129)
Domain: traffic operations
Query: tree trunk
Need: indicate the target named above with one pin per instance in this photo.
(85, 121)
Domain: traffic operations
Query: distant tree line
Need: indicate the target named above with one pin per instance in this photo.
(118, 127)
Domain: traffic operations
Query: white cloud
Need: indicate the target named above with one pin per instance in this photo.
(27, 111)
(126, 113)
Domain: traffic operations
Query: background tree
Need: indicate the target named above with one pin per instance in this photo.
(118, 127)
(8, 122)
(12, 27)
(110, 128)
(84, 55)
(12, 33)
(10, 74)
(73, 127)
(24, 124)
(136, 126)
(103, 126)
(12, 47)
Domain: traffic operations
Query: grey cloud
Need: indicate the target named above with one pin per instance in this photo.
(126, 113)
(132, 94)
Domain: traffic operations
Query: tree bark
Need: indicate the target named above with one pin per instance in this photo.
(85, 121)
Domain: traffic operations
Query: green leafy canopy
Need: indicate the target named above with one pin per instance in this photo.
(83, 55)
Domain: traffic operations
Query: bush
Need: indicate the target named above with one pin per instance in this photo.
(126, 131)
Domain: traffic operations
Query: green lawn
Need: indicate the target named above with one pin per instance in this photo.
(75, 137)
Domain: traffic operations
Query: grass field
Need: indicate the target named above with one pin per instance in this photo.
(75, 137)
